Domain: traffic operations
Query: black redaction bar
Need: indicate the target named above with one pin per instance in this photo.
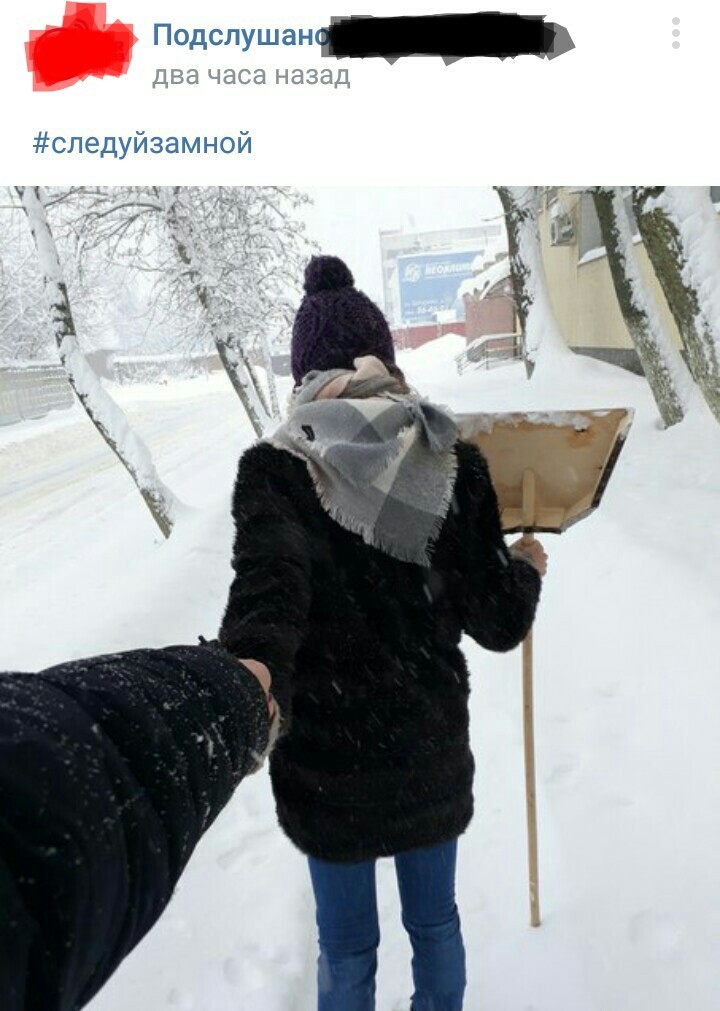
(452, 36)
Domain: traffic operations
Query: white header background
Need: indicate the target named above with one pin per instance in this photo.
(624, 106)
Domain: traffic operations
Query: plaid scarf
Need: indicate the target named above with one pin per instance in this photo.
(382, 461)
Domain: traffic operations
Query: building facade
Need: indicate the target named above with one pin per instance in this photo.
(426, 256)
(579, 281)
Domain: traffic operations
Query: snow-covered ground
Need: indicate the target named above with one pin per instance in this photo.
(627, 693)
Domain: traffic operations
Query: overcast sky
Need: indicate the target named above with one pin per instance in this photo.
(345, 220)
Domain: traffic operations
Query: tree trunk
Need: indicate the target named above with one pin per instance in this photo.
(518, 269)
(539, 332)
(662, 364)
(232, 354)
(271, 378)
(252, 372)
(671, 256)
(102, 410)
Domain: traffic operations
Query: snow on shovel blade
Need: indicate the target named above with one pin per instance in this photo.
(571, 454)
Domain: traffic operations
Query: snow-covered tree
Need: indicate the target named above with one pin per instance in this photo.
(662, 363)
(227, 259)
(198, 273)
(540, 333)
(109, 309)
(274, 400)
(102, 410)
(25, 332)
(680, 229)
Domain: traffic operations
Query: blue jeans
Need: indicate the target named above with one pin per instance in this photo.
(349, 935)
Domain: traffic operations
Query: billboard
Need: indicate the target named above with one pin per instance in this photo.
(429, 283)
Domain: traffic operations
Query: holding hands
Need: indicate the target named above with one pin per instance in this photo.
(262, 673)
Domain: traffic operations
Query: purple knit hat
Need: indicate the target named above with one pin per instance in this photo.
(336, 323)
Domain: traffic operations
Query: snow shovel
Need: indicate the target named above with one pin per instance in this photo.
(550, 470)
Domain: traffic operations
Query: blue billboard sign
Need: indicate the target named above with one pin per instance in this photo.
(429, 283)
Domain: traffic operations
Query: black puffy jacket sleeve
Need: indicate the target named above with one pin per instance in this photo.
(497, 594)
(266, 616)
(111, 769)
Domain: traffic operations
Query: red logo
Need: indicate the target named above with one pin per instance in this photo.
(84, 46)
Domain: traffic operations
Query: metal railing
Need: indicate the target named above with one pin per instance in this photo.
(489, 351)
(32, 391)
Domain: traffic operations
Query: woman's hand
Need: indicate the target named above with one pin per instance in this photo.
(261, 672)
(264, 677)
(532, 552)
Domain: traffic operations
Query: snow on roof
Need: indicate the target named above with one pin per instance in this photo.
(483, 283)
(494, 248)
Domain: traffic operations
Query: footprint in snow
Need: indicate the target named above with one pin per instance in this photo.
(179, 1001)
(245, 849)
(230, 857)
(231, 971)
(564, 773)
(611, 690)
(244, 972)
(657, 936)
(177, 924)
(617, 800)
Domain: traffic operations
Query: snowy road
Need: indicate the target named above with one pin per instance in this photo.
(73, 525)
(38, 471)
(627, 647)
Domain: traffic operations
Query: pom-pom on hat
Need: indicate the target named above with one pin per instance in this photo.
(336, 323)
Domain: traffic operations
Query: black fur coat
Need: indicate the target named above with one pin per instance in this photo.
(111, 769)
(364, 652)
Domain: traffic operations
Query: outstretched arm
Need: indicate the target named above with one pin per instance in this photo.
(111, 770)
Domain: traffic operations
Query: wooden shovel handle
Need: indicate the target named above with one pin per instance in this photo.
(530, 794)
(528, 507)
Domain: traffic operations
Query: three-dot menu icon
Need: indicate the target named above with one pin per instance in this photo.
(676, 33)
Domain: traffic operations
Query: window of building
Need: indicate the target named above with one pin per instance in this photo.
(590, 235)
(630, 211)
(590, 238)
